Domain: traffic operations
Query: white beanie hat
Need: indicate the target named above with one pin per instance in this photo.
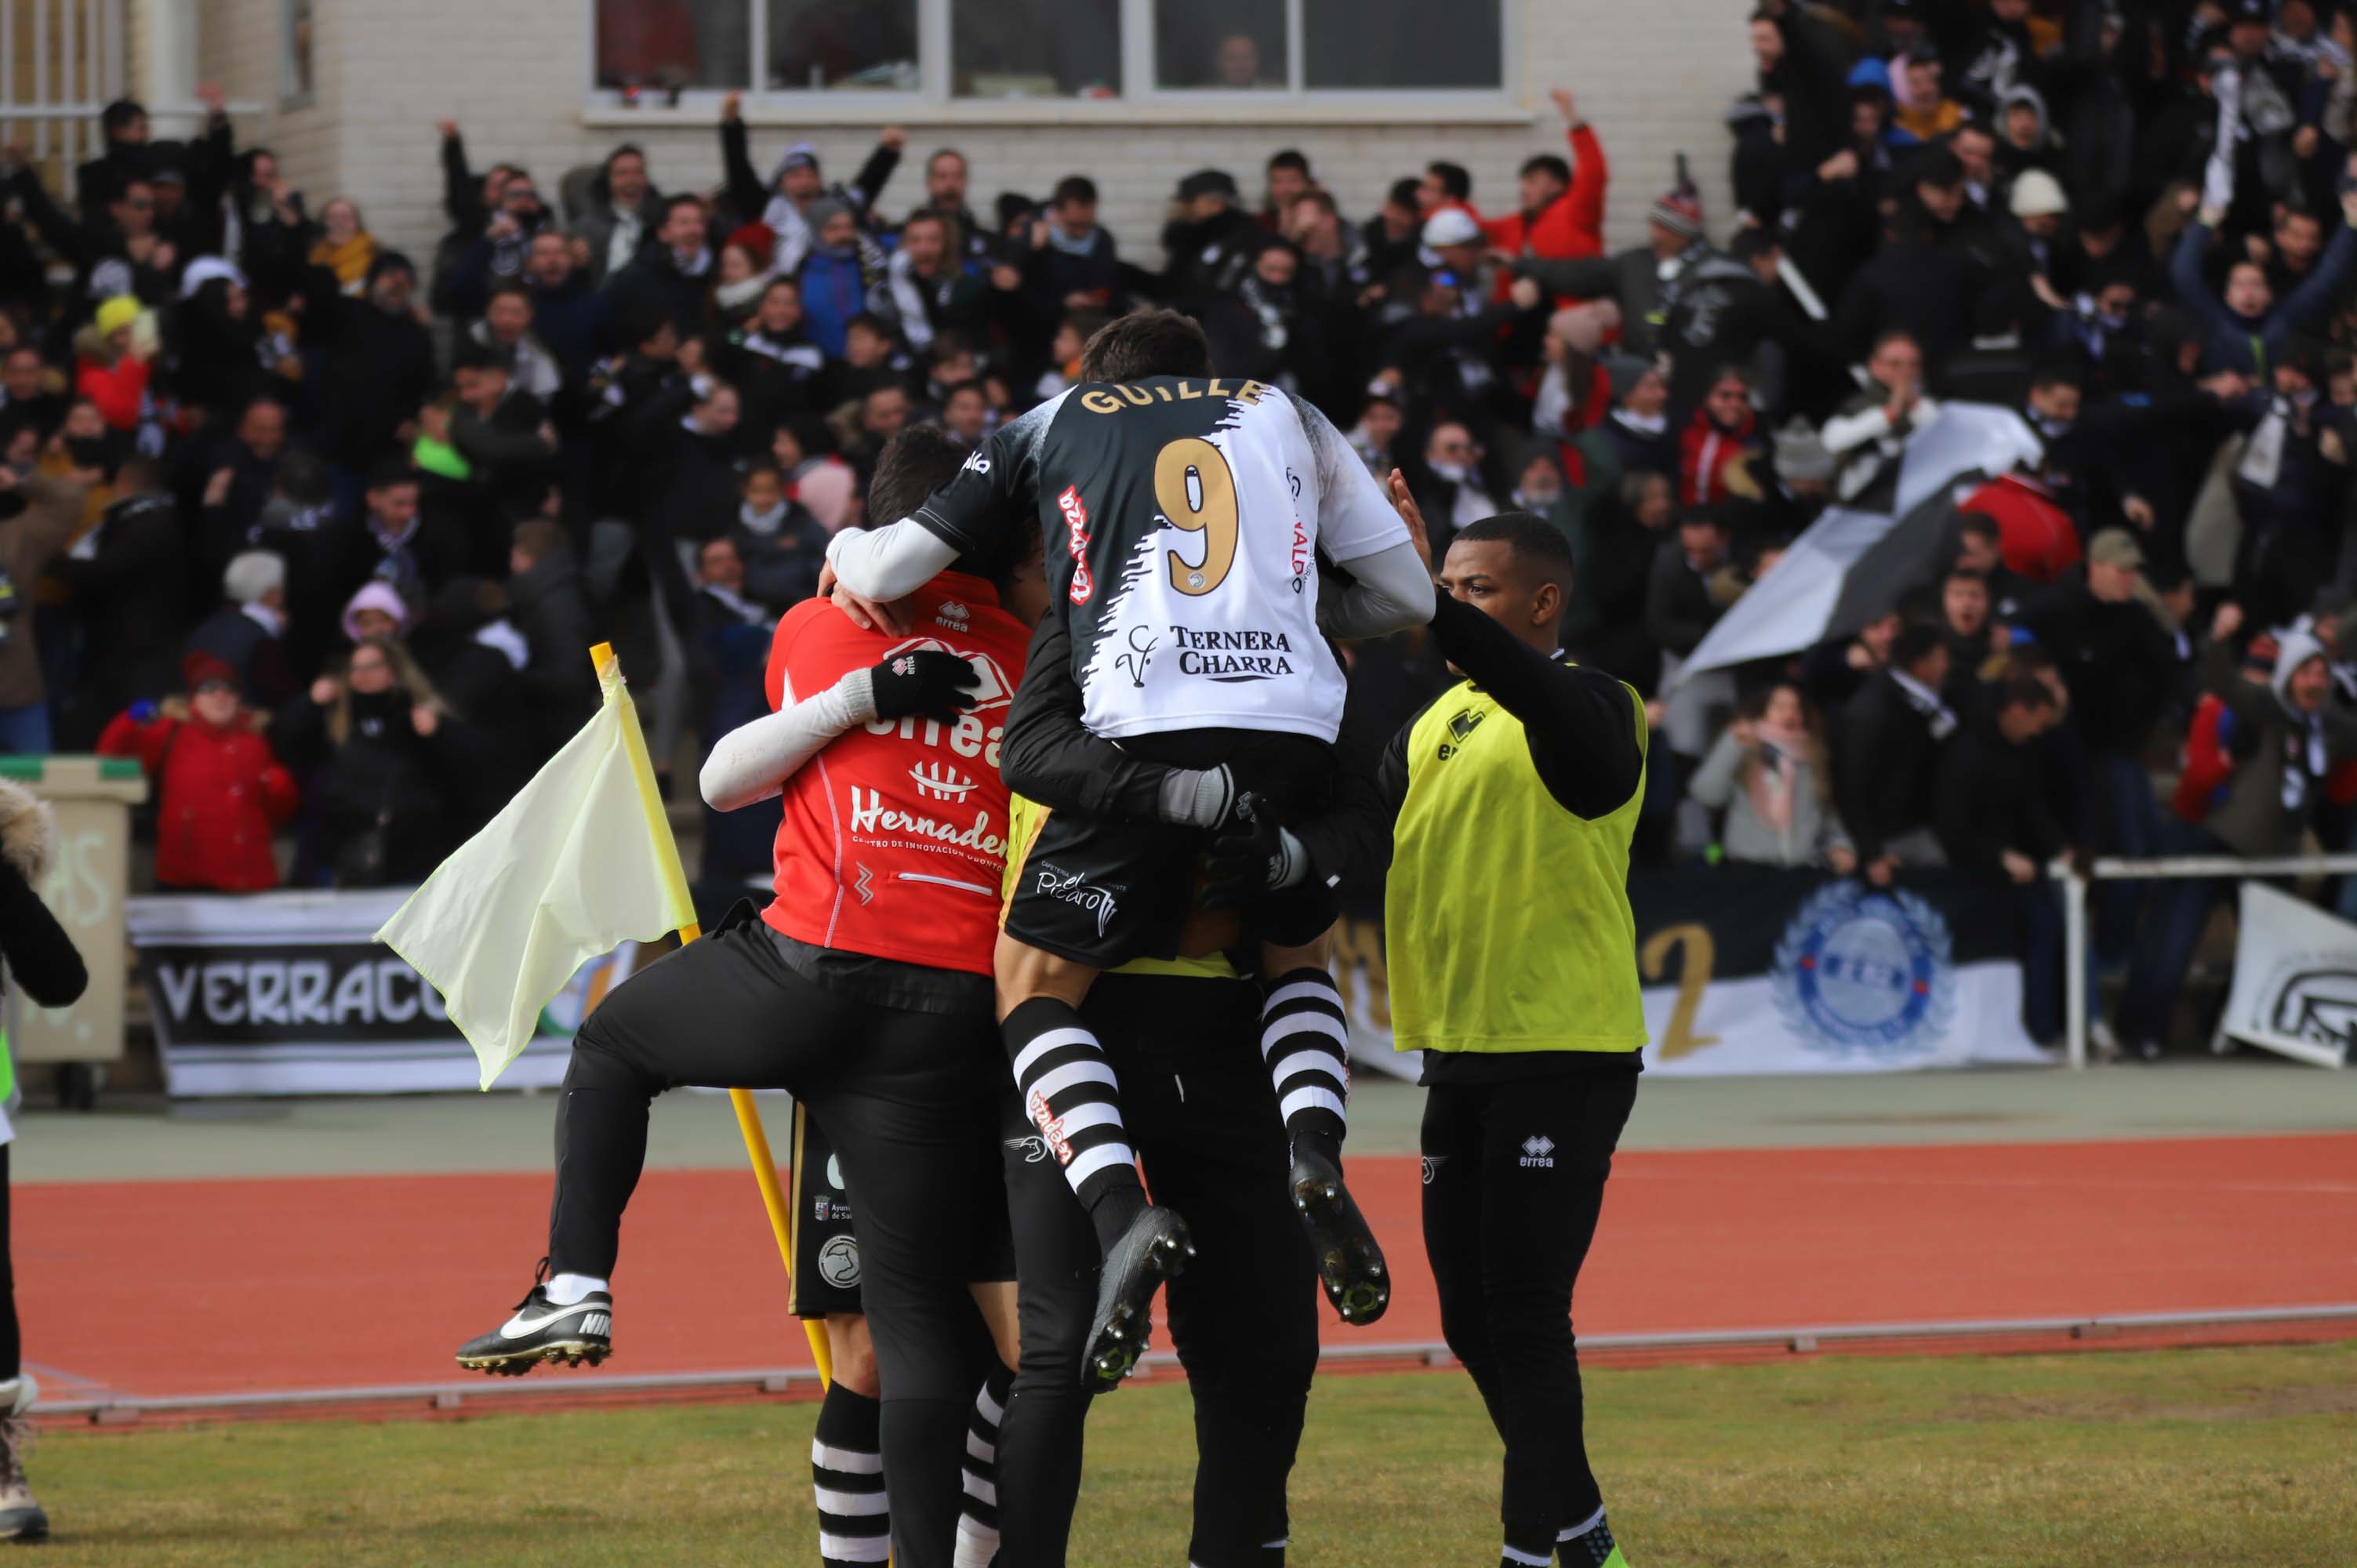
(2037, 194)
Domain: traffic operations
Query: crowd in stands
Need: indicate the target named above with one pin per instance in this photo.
(320, 530)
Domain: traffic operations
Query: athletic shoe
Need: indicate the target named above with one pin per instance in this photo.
(543, 1331)
(1350, 1260)
(21, 1519)
(1154, 1248)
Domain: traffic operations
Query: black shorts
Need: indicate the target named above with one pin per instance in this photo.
(826, 1254)
(1102, 893)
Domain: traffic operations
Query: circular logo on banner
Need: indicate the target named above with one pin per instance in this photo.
(838, 1261)
(1866, 971)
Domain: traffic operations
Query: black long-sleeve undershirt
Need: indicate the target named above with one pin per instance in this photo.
(36, 949)
(1586, 736)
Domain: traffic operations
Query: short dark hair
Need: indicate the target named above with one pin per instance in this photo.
(1915, 640)
(868, 320)
(1074, 187)
(471, 355)
(516, 287)
(674, 203)
(2025, 692)
(1537, 544)
(914, 464)
(2057, 371)
(392, 471)
(925, 215)
(1290, 158)
(1403, 194)
(540, 538)
(1980, 524)
(1938, 166)
(118, 116)
(1453, 178)
(1146, 343)
(1550, 165)
(627, 150)
(1964, 574)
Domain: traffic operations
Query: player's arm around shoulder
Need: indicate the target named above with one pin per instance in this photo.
(754, 761)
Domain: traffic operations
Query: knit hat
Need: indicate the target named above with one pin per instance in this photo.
(1677, 211)
(374, 595)
(2116, 547)
(2037, 194)
(2240, 11)
(1801, 455)
(117, 314)
(200, 669)
(801, 155)
(2260, 655)
(204, 270)
(819, 213)
(1451, 226)
(1625, 370)
(1208, 182)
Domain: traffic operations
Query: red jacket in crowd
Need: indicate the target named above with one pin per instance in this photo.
(1571, 227)
(118, 389)
(1705, 453)
(2035, 538)
(219, 793)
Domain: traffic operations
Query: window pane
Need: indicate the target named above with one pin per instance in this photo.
(1231, 44)
(1400, 43)
(843, 43)
(1035, 49)
(666, 44)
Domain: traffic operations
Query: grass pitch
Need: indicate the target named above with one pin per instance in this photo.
(2121, 1460)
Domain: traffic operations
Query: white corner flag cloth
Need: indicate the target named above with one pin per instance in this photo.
(581, 860)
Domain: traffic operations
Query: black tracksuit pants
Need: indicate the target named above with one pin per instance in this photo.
(1513, 1181)
(1244, 1317)
(906, 1097)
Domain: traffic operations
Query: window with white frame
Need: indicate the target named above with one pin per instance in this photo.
(936, 51)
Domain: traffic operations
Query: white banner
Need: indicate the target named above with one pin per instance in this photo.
(1848, 979)
(289, 993)
(2295, 988)
(1788, 609)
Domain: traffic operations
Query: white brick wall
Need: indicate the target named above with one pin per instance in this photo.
(1652, 76)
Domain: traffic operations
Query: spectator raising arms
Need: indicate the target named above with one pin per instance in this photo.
(220, 792)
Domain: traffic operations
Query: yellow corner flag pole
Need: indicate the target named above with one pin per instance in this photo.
(749, 1114)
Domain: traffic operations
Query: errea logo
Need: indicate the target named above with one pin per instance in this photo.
(1538, 1152)
(953, 616)
(940, 782)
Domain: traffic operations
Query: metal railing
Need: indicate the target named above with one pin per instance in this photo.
(2074, 911)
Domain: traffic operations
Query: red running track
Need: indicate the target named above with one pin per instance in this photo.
(159, 1288)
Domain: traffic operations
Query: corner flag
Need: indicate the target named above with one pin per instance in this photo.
(575, 866)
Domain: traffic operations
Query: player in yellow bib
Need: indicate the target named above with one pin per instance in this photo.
(1514, 968)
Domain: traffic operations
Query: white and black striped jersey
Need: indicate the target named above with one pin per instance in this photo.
(1184, 518)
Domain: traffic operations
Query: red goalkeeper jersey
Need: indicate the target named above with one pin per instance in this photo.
(895, 836)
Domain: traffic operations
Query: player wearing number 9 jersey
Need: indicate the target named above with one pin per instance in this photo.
(1191, 521)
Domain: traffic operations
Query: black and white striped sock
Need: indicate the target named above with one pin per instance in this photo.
(1306, 1044)
(1071, 1095)
(855, 1516)
(978, 1535)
